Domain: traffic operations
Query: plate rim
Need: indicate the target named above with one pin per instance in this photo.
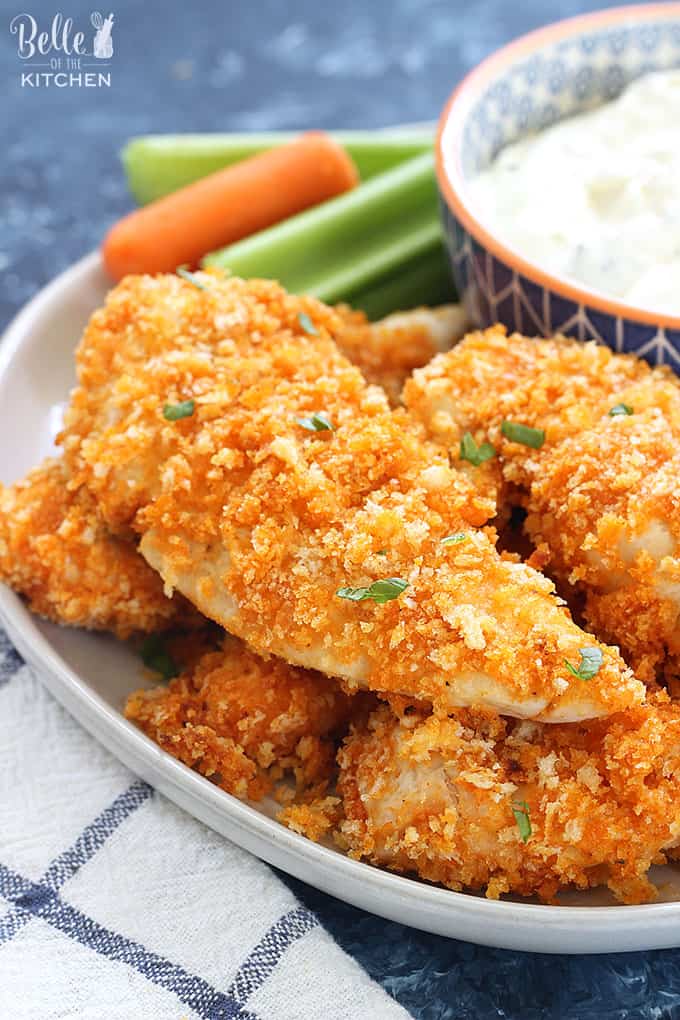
(505, 924)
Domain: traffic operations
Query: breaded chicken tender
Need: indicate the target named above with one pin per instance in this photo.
(562, 386)
(480, 802)
(607, 506)
(387, 351)
(244, 722)
(601, 490)
(56, 551)
(277, 491)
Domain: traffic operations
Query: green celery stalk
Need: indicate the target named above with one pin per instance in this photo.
(423, 280)
(158, 164)
(350, 243)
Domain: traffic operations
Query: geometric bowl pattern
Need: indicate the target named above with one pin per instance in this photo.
(494, 292)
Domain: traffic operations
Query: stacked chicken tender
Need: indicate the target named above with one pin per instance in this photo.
(600, 490)
(489, 741)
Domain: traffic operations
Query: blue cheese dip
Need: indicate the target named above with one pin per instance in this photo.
(596, 197)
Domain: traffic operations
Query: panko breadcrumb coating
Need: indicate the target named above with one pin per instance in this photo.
(244, 721)
(55, 550)
(601, 492)
(480, 802)
(316, 819)
(607, 506)
(562, 386)
(260, 519)
(387, 351)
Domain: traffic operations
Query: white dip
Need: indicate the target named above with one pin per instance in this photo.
(596, 197)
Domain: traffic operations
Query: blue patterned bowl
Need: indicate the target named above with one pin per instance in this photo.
(548, 74)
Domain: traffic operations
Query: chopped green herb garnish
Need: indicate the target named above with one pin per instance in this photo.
(173, 412)
(460, 536)
(475, 454)
(620, 409)
(316, 423)
(520, 810)
(591, 660)
(381, 552)
(307, 324)
(156, 656)
(190, 277)
(523, 434)
(380, 591)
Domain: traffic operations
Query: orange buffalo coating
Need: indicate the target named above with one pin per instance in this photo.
(56, 551)
(230, 712)
(244, 721)
(260, 520)
(601, 491)
(481, 802)
(432, 794)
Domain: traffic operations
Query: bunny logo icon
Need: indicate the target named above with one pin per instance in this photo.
(102, 48)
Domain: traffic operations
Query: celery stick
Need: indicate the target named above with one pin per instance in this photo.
(423, 280)
(349, 243)
(158, 164)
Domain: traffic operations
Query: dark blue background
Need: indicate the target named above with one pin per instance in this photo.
(218, 65)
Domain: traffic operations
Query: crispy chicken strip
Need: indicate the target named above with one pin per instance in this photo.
(261, 512)
(387, 351)
(601, 491)
(49, 532)
(244, 721)
(480, 802)
(606, 506)
(55, 550)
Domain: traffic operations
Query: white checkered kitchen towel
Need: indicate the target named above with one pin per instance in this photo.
(115, 905)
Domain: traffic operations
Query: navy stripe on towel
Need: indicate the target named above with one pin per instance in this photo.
(35, 899)
(90, 840)
(40, 899)
(97, 832)
(42, 902)
(255, 970)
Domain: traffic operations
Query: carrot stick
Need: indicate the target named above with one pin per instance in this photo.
(228, 205)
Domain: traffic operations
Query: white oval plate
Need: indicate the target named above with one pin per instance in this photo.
(91, 675)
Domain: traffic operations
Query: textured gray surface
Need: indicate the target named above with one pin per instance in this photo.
(216, 66)
(263, 65)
